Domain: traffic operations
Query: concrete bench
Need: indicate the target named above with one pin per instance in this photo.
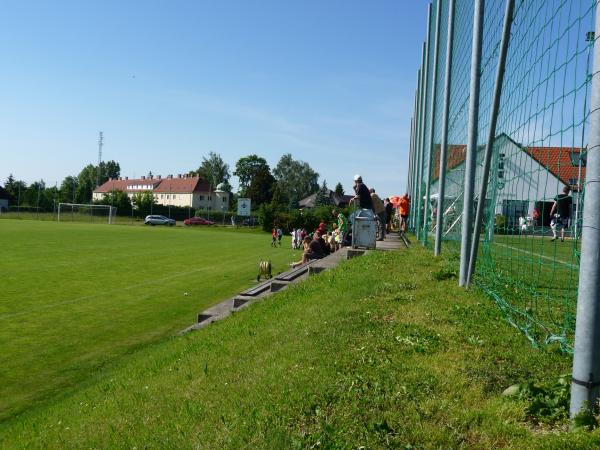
(292, 274)
(258, 289)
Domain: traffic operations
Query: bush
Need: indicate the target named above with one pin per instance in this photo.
(266, 216)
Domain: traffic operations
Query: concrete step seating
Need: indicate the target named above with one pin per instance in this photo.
(282, 281)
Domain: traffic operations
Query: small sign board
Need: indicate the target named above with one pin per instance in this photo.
(243, 207)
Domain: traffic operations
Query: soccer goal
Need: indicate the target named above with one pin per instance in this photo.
(76, 212)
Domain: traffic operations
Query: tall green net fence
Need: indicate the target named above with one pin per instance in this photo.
(528, 260)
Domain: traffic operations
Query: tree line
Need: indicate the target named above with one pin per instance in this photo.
(277, 189)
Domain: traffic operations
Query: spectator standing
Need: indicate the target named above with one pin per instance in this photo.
(342, 224)
(536, 216)
(279, 235)
(274, 238)
(322, 228)
(362, 193)
(337, 237)
(403, 210)
(561, 213)
(379, 210)
(389, 211)
(294, 243)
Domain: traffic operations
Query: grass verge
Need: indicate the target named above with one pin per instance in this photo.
(381, 352)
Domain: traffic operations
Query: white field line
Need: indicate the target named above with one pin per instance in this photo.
(548, 258)
(102, 293)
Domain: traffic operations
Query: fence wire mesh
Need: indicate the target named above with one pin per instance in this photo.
(538, 151)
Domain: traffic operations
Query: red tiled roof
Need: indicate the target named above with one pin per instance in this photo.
(557, 160)
(113, 185)
(183, 185)
(174, 185)
(456, 156)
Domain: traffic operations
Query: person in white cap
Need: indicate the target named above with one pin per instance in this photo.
(362, 193)
(379, 210)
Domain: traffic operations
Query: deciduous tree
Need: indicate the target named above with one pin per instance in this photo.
(295, 179)
(143, 202)
(247, 168)
(68, 189)
(261, 187)
(322, 195)
(213, 169)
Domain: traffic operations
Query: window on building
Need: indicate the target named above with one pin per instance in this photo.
(202, 197)
(573, 181)
(224, 199)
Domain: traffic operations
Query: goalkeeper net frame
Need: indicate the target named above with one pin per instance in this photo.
(69, 208)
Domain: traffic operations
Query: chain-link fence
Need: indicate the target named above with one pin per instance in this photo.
(528, 260)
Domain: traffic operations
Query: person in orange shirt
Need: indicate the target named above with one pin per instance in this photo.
(403, 209)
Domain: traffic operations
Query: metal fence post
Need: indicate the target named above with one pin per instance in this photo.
(424, 71)
(415, 178)
(444, 143)
(508, 19)
(586, 360)
(471, 153)
(436, 51)
(410, 154)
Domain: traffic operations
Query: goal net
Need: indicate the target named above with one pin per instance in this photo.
(76, 212)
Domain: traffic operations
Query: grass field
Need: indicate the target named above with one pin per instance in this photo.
(376, 353)
(535, 281)
(99, 217)
(77, 297)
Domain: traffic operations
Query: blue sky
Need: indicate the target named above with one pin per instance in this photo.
(331, 82)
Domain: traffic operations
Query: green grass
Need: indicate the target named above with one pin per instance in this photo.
(383, 352)
(535, 280)
(99, 217)
(76, 297)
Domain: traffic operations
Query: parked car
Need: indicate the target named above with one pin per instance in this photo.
(250, 222)
(159, 220)
(197, 221)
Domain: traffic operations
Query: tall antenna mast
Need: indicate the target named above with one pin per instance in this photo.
(100, 143)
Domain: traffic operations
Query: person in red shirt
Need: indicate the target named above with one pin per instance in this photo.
(322, 228)
(274, 238)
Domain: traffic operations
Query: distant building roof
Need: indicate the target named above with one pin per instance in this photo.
(334, 199)
(562, 162)
(183, 185)
(456, 156)
(179, 185)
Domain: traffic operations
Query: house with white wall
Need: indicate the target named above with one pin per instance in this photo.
(522, 178)
(182, 190)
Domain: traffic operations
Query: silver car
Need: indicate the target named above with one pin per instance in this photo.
(158, 220)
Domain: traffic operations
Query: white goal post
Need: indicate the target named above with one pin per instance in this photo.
(70, 209)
